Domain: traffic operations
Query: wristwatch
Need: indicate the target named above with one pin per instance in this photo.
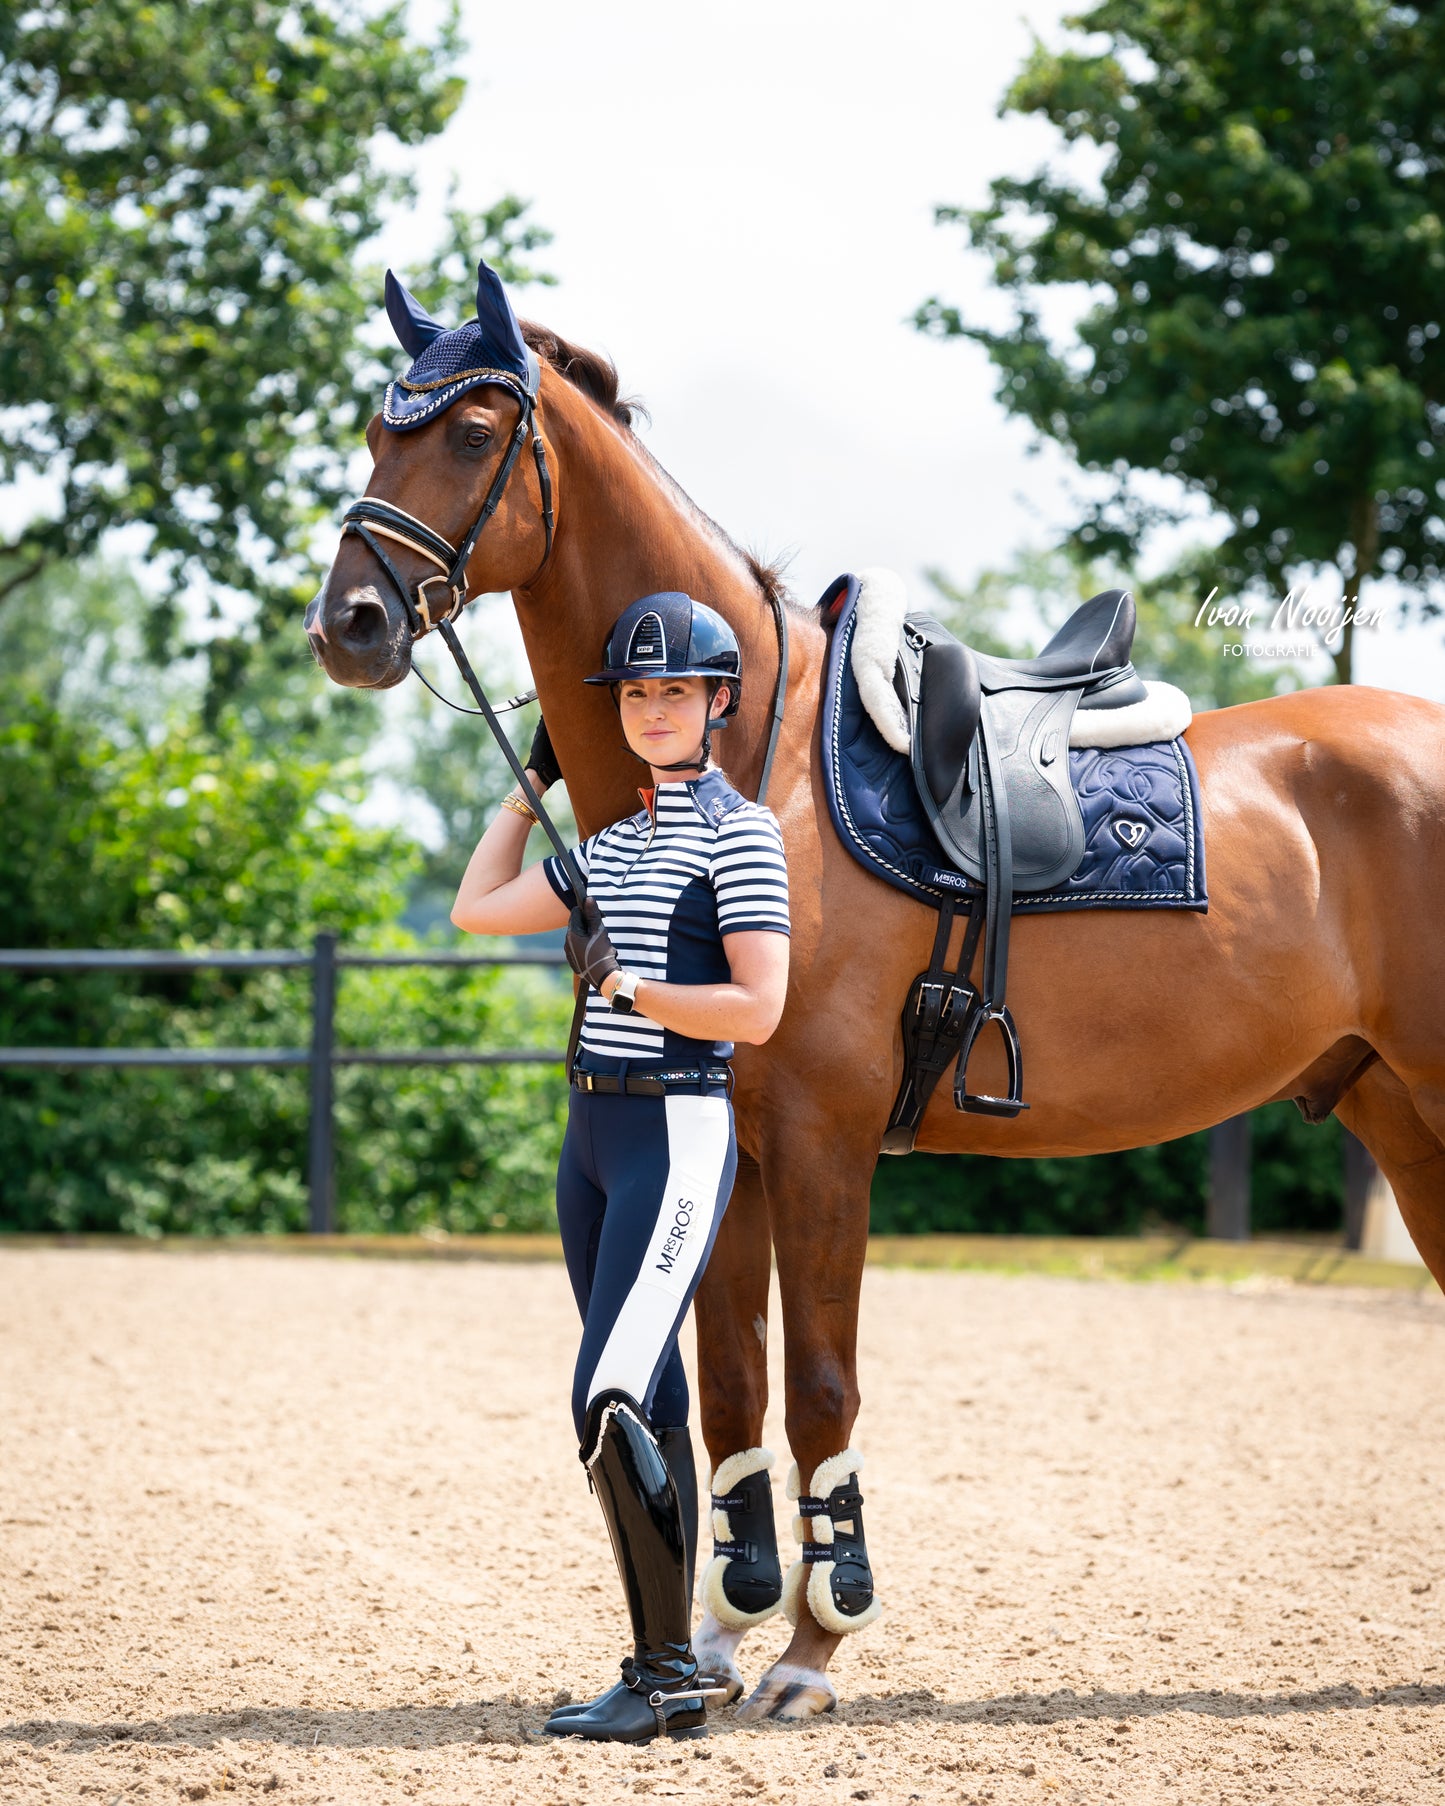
(624, 994)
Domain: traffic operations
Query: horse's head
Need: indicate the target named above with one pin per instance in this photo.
(446, 446)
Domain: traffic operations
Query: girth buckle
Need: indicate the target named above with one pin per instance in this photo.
(929, 1008)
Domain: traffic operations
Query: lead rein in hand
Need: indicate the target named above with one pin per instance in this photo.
(534, 801)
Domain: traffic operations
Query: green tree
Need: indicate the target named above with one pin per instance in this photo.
(155, 841)
(1263, 248)
(186, 196)
(1296, 1187)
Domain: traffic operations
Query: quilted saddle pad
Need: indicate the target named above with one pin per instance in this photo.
(1143, 832)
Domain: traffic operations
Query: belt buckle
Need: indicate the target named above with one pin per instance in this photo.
(585, 1081)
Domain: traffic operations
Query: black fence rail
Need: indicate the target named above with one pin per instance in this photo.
(323, 1056)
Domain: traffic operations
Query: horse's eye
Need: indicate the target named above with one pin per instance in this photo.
(477, 435)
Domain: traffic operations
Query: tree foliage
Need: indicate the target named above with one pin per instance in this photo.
(1263, 250)
(170, 842)
(186, 195)
(1296, 1186)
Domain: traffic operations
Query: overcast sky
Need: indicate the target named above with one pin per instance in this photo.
(742, 201)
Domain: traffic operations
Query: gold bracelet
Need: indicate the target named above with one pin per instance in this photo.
(520, 806)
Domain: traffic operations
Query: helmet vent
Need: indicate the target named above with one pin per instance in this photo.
(648, 645)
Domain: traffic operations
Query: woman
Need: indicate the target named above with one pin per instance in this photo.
(683, 938)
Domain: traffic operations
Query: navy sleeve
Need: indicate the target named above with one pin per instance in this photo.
(557, 872)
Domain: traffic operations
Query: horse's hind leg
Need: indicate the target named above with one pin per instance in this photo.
(1405, 1131)
(819, 1209)
(743, 1588)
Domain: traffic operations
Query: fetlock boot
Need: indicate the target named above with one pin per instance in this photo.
(662, 1693)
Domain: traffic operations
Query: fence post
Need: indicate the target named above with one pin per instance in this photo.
(323, 1040)
(1229, 1150)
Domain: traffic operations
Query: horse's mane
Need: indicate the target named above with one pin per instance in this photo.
(596, 376)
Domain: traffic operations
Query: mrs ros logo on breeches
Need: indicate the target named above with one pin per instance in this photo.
(676, 1235)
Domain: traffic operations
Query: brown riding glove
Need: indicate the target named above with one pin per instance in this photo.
(590, 952)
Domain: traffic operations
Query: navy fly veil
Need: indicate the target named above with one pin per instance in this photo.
(445, 365)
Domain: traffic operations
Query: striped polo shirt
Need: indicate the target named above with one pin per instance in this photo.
(698, 863)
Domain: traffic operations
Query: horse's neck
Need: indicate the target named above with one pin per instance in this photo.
(624, 531)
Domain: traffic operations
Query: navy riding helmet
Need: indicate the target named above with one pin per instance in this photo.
(670, 635)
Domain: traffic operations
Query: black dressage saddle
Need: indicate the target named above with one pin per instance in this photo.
(990, 756)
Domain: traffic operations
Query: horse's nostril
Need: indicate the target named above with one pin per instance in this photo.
(361, 626)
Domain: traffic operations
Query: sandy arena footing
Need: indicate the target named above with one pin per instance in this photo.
(315, 1531)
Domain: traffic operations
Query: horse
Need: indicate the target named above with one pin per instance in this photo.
(1317, 972)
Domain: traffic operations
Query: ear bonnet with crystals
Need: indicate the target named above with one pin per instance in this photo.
(445, 365)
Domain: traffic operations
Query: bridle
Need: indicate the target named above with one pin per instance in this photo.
(371, 517)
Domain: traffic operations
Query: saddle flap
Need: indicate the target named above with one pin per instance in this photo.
(947, 715)
(1030, 730)
(940, 680)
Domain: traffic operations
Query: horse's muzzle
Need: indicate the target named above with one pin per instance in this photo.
(356, 641)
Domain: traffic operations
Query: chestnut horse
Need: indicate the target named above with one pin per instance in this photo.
(1318, 972)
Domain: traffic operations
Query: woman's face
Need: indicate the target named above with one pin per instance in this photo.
(663, 718)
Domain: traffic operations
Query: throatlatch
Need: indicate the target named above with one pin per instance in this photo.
(743, 1583)
(833, 1572)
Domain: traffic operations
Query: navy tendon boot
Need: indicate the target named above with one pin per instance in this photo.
(662, 1692)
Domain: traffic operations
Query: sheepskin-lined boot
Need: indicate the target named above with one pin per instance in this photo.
(662, 1692)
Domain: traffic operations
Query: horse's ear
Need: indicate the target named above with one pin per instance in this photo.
(410, 321)
(498, 322)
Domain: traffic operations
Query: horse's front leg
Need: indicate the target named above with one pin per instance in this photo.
(743, 1583)
(818, 1190)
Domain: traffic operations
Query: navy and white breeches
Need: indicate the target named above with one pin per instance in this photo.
(641, 1189)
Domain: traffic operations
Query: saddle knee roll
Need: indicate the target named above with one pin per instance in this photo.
(743, 1583)
(833, 1573)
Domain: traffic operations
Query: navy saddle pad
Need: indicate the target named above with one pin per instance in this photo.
(1143, 835)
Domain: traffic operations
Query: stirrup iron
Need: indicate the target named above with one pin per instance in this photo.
(985, 1103)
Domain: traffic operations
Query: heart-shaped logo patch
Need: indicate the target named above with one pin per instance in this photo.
(1131, 832)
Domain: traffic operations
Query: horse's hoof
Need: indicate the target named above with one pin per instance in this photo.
(789, 1693)
(714, 1646)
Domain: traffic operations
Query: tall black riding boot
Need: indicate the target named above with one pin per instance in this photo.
(676, 1446)
(662, 1693)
